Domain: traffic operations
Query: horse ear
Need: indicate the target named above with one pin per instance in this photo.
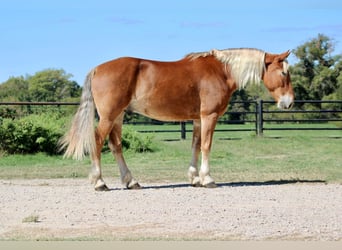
(269, 58)
(284, 55)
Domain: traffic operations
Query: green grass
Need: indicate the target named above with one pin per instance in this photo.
(236, 157)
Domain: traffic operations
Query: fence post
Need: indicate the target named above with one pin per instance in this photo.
(183, 130)
(256, 110)
(260, 119)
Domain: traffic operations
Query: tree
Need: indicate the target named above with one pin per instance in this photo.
(239, 96)
(47, 85)
(52, 85)
(316, 74)
(14, 89)
(337, 94)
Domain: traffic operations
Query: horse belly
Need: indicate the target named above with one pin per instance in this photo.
(165, 111)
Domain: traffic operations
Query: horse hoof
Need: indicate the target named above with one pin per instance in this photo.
(197, 184)
(134, 186)
(102, 188)
(210, 185)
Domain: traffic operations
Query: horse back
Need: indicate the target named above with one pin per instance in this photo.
(161, 90)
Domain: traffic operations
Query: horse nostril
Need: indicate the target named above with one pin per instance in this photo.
(287, 106)
(284, 105)
(285, 102)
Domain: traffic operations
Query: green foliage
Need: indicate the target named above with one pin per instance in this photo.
(135, 141)
(41, 132)
(52, 85)
(47, 85)
(14, 89)
(318, 73)
(239, 96)
(32, 134)
(7, 112)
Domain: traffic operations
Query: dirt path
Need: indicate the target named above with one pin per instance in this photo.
(70, 209)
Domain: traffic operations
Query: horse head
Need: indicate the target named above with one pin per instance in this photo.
(277, 80)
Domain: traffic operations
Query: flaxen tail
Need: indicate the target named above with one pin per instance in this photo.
(80, 139)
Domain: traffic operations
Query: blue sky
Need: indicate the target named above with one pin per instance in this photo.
(78, 35)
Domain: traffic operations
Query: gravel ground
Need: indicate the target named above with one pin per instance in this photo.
(71, 209)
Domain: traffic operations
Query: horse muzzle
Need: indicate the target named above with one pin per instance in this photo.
(285, 102)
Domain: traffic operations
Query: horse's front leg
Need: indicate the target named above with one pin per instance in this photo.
(196, 148)
(208, 124)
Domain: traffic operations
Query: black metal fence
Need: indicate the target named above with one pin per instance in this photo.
(318, 115)
(261, 115)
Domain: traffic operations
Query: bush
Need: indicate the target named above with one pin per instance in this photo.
(135, 141)
(32, 134)
(40, 133)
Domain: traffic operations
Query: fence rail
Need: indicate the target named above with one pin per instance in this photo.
(260, 115)
(333, 115)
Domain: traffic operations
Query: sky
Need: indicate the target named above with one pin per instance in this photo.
(77, 35)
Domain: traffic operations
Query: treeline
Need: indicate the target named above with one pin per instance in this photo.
(51, 85)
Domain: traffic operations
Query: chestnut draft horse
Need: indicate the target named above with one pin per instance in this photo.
(197, 87)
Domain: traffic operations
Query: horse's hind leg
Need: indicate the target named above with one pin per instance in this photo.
(116, 147)
(95, 175)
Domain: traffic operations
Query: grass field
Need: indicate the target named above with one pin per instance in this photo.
(236, 157)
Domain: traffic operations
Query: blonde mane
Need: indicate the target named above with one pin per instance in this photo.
(285, 67)
(246, 65)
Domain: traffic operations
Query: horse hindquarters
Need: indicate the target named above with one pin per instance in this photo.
(112, 86)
